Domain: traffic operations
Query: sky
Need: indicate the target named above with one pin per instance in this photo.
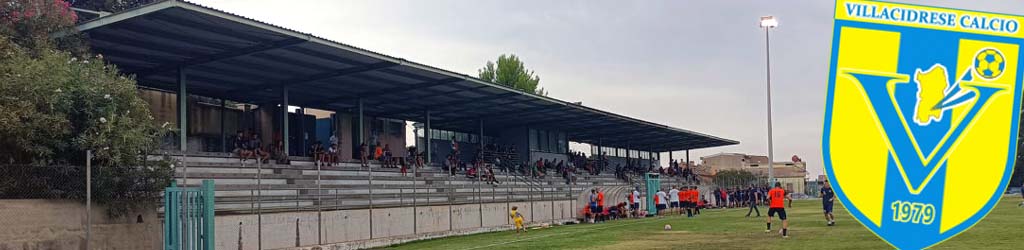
(696, 65)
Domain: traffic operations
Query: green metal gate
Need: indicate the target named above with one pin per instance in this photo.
(188, 220)
(653, 181)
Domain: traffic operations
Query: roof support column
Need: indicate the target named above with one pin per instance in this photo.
(670, 159)
(600, 155)
(284, 119)
(223, 134)
(426, 139)
(688, 158)
(359, 135)
(182, 110)
(304, 137)
(481, 140)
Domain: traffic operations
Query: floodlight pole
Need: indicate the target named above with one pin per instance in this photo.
(768, 81)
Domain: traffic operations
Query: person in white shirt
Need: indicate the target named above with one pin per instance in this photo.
(634, 201)
(661, 200)
(673, 197)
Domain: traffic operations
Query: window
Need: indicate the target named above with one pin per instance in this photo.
(552, 142)
(396, 128)
(542, 140)
(562, 143)
(533, 140)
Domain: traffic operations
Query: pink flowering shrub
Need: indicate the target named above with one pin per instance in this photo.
(30, 23)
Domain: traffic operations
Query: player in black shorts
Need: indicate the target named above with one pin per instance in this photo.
(828, 198)
(776, 205)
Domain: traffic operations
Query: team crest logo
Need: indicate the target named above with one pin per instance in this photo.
(921, 117)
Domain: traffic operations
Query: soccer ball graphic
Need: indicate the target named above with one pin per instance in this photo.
(668, 227)
(989, 64)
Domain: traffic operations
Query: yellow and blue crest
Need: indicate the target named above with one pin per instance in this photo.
(921, 116)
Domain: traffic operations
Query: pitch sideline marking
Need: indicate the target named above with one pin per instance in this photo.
(581, 231)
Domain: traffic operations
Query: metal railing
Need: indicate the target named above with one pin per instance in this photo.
(274, 188)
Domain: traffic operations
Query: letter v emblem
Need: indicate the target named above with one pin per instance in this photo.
(878, 88)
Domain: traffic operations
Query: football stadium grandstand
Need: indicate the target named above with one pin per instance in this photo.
(305, 138)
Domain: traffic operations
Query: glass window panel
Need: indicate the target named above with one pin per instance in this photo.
(542, 140)
(533, 140)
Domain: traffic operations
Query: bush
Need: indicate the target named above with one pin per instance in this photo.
(58, 103)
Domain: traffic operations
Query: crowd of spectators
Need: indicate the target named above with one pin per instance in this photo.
(249, 146)
(681, 170)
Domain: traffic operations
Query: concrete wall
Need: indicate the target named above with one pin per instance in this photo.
(390, 222)
(294, 229)
(59, 224)
(432, 219)
(495, 214)
(466, 216)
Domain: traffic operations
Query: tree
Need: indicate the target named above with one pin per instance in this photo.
(734, 178)
(57, 102)
(510, 72)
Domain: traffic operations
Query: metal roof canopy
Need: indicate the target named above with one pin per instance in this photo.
(236, 58)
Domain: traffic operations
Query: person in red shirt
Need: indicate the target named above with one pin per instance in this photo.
(776, 205)
(600, 200)
(684, 198)
(695, 199)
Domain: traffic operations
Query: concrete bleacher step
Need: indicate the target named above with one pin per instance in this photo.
(294, 186)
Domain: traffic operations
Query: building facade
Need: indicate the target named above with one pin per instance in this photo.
(791, 174)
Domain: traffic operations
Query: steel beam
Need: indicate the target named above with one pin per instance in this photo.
(182, 109)
(453, 103)
(317, 77)
(392, 90)
(284, 119)
(426, 136)
(224, 55)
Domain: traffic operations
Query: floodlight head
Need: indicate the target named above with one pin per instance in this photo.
(769, 22)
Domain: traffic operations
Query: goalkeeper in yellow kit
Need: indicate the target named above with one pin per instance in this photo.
(517, 218)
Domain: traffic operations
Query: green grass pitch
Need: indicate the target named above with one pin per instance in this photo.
(729, 229)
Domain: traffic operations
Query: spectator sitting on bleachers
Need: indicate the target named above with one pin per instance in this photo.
(242, 147)
(386, 158)
(277, 152)
(471, 173)
(497, 162)
(539, 171)
(317, 149)
(490, 177)
(378, 152)
(419, 159)
(332, 155)
(257, 145)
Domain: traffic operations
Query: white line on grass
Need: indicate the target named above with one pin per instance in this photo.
(549, 235)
